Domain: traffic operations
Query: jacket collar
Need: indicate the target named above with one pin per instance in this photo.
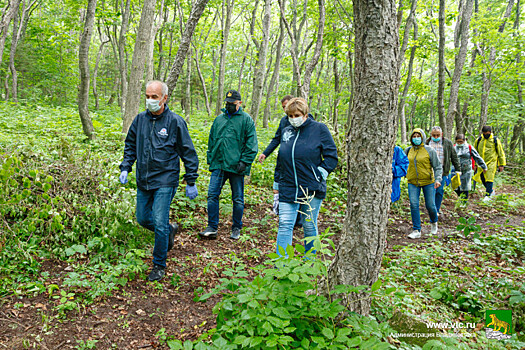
(157, 117)
(225, 112)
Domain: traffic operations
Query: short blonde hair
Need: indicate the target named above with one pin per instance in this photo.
(297, 104)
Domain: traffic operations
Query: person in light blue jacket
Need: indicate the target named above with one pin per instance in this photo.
(399, 169)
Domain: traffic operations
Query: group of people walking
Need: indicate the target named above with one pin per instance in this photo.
(159, 138)
(430, 164)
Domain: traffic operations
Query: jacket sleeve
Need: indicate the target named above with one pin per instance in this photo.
(187, 153)
(276, 140)
(328, 150)
(436, 164)
(454, 156)
(501, 155)
(478, 159)
(130, 148)
(211, 144)
(400, 163)
(249, 148)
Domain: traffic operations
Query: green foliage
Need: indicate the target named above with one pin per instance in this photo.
(283, 307)
(468, 226)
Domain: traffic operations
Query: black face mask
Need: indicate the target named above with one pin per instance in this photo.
(486, 136)
(231, 108)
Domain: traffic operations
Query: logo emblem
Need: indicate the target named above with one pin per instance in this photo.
(229, 94)
(163, 132)
(498, 324)
(287, 135)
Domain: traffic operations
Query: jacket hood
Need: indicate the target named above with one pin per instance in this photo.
(423, 136)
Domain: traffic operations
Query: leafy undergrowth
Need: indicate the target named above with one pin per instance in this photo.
(73, 261)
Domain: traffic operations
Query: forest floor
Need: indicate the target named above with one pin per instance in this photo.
(140, 314)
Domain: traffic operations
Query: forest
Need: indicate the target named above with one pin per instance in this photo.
(74, 260)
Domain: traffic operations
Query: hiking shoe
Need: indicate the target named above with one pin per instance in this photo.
(208, 233)
(487, 199)
(433, 228)
(156, 274)
(236, 233)
(415, 234)
(173, 231)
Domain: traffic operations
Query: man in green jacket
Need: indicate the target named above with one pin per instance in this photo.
(232, 147)
(446, 154)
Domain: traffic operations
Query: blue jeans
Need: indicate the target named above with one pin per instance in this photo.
(217, 180)
(153, 213)
(429, 194)
(287, 218)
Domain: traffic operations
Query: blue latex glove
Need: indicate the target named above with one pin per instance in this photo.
(191, 191)
(123, 177)
(323, 172)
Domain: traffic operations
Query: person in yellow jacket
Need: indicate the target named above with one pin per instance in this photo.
(490, 149)
(424, 173)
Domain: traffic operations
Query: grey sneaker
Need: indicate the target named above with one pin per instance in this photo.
(156, 274)
(433, 228)
(415, 234)
(236, 233)
(173, 231)
(209, 233)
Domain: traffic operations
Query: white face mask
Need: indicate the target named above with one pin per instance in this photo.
(152, 105)
(296, 122)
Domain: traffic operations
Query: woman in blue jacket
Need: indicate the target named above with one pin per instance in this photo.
(399, 169)
(306, 156)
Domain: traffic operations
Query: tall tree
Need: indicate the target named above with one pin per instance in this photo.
(463, 33)
(441, 67)
(487, 76)
(7, 15)
(122, 57)
(360, 252)
(83, 63)
(136, 76)
(196, 12)
(227, 9)
(303, 86)
(260, 66)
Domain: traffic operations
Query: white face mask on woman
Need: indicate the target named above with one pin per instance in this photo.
(296, 122)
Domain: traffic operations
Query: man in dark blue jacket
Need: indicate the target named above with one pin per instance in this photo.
(157, 139)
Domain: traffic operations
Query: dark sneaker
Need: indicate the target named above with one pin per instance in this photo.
(208, 233)
(156, 274)
(173, 231)
(236, 233)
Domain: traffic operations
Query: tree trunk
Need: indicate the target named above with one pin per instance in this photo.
(203, 82)
(150, 66)
(487, 78)
(463, 32)
(260, 67)
(337, 97)
(519, 127)
(7, 15)
(83, 63)
(411, 20)
(227, 8)
(275, 75)
(136, 76)
(18, 34)
(305, 86)
(122, 58)
(187, 100)
(441, 67)
(402, 100)
(95, 71)
(196, 12)
(360, 252)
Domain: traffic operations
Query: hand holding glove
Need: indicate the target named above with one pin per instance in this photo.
(191, 191)
(123, 177)
(276, 203)
(241, 167)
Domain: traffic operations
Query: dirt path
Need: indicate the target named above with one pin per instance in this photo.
(131, 317)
